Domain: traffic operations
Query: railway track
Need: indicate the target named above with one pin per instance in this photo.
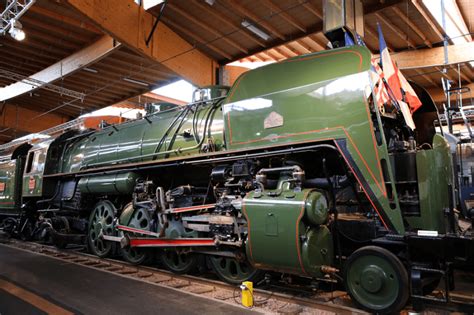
(277, 300)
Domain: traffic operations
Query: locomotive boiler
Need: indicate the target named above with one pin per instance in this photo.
(295, 169)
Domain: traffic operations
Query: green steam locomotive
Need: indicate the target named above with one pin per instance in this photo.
(295, 170)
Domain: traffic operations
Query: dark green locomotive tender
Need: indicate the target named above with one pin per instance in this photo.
(292, 170)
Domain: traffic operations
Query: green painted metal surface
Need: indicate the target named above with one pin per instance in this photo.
(316, 208)
(375, 280)
(33, 175)
(321, 97)
(121, 183)
(277, 237)
(138, 140)
(318, 97)
(8, 184)
(434, 171)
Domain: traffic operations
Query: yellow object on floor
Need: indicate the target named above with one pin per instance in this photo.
(247, 293)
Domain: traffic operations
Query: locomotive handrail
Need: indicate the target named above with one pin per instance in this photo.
(154, 164)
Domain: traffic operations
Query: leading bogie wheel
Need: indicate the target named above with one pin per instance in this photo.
(376, 280)
(101, 221)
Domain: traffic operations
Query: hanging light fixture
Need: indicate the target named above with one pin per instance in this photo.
(254, 29)
(130, 80)
(16, 30)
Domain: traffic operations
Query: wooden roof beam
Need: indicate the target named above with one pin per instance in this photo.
(438, 95)
(287, 17)
(67, 66)
(395, 29)
(412, 25)
(47, 37)
(24, 57)
(18, 67)
(426, 77)
(27, 19)
(460, 73)
(299, 47)
(427, 18)
(289, 52)
(37, 48)
(320, 39)
(446, 74)
(466, 68)
(64, 19)
(265, 55)
(130, 24)
(274, 55)
(308, 6)
(280, 51)
(375, 36)
(199, 39)
(314, 45)
(313, 29)
(18, 118)
(223, 18)
(259, 58)
(207, 27)
(431, 57)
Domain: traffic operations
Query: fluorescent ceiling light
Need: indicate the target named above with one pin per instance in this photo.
(255, 30)
(90, 70)
(136, 82)
(455, 25)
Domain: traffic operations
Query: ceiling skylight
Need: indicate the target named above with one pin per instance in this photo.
(456, 28)
(147, 4)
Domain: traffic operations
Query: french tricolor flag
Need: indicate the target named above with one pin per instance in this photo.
(389, 68)
(399, 86)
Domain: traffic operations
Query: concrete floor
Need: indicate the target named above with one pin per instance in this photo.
(35, 284)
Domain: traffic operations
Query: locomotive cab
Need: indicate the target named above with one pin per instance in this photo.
(12, 164)
(34, 169)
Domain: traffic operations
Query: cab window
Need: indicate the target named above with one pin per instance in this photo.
(35, 163)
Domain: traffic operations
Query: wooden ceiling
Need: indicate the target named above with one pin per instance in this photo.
(54, 32)
(296, 29)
